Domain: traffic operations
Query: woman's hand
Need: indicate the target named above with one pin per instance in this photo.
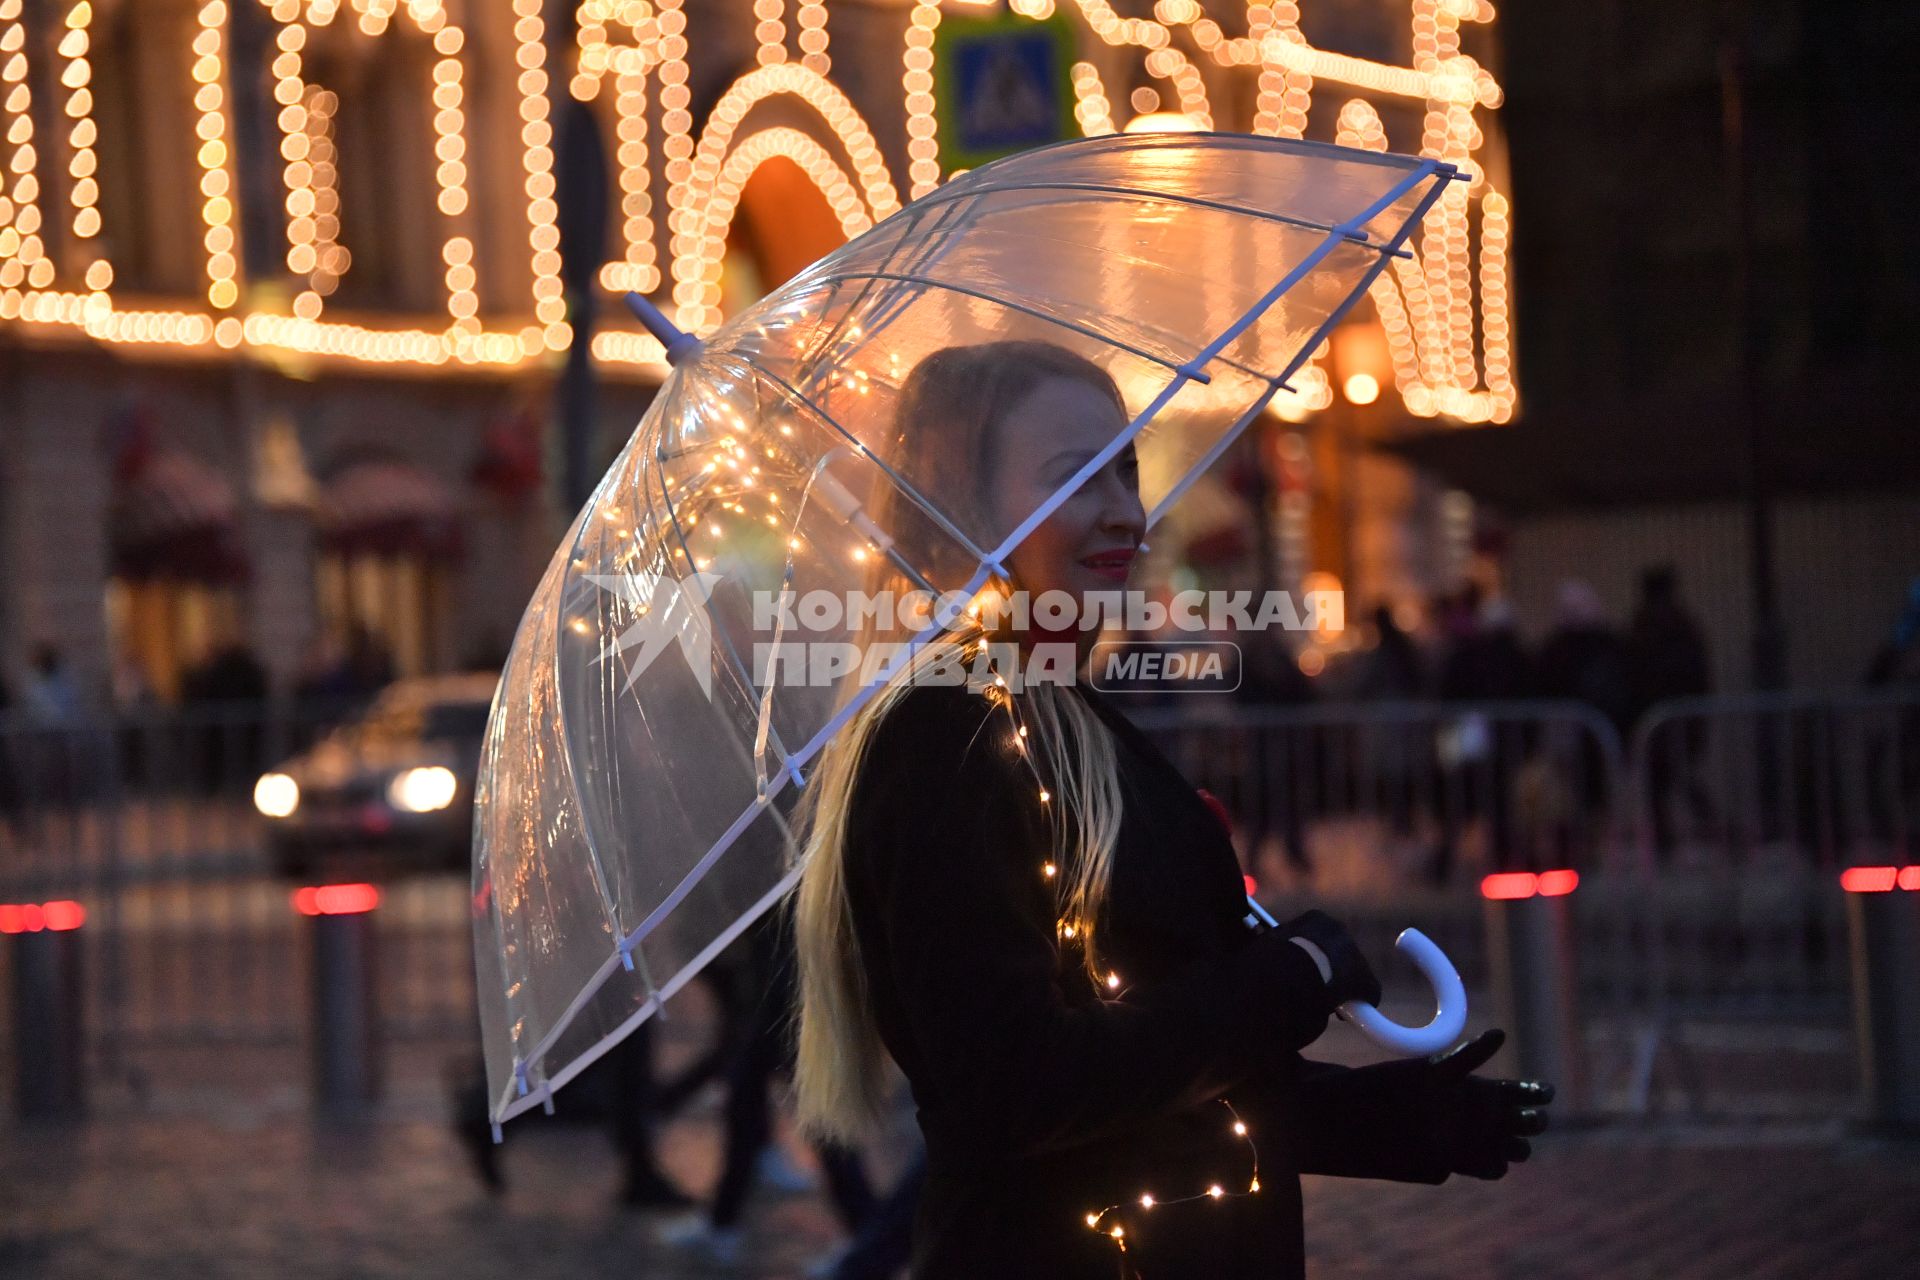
(1343, 968)
(1479, 1126)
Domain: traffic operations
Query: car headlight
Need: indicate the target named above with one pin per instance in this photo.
(276, 795)
(423, 790)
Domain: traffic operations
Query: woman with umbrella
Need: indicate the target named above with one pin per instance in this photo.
(1012, 894)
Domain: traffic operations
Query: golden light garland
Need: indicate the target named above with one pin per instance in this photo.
(813, 160)
(536, 158)
(82, 162)
(216, 172)
(1445, 310)
(22, 253)
(770, 31)
(1091, 108)
(311, 171)
(916, 82)
(811, 16)
(630, 64)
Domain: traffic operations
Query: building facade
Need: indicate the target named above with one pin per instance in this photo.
(283, 299)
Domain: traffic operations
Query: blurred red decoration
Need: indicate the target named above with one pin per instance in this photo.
(336, 899)
(509, 463)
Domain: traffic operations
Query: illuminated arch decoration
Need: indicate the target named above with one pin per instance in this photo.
(821, 169)
(1445, 309)
(697, 249)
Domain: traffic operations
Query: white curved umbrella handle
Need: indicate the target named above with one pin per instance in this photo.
(1450, 997)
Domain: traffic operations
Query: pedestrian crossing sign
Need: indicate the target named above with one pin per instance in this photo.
(1002, 84)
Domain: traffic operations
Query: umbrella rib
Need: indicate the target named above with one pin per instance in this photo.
(932, 246)
(1084, 331)
(740, 670)
(924, 247)
(1344, 230)
(739, 666)
(927, 508)
(1220, 446)
(1305, 352)
(1187, 371)
(686, 974)
(790, 771)
(632, 941)
(573, 785)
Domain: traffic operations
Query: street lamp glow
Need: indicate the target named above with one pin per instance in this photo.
(1361, 388)
(1163, 122)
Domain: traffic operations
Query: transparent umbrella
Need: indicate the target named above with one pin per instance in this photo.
(642, 759)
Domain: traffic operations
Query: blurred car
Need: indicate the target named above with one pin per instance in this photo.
(386, 794)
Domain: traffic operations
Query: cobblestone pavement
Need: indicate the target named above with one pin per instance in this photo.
(271, 1195)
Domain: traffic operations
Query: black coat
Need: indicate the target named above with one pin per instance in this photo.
(1045, 1096)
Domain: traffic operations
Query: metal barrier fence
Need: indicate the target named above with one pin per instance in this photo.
(1713, 956)
(1429, 787)
(1712, 950)
(1744, 810)
(195, 968)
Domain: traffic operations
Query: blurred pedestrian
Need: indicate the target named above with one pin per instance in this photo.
(1668, 659)
(884, 1243)
(1479, 754)
(716, 1233)
(9, 785)
(1893, 752)
(368, 665)
(51, 753)
(1393, 671)
(227, 695)
(1270, 677)
(50, 698)
(1584, 659)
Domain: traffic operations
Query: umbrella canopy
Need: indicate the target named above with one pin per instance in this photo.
(642, 758)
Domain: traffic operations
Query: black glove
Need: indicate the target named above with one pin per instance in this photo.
(1351, 977)
(1478, 1126)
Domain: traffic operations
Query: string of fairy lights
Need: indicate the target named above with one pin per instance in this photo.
(1445, 310)
(1106, 1220)
(1074, 933)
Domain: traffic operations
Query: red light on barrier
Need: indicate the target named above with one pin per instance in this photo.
(1505, 886)
(1557, 884)
(1253, 886)
(1508, 886)
(1869, 879)
(1910, 878)
(32, 917)
(64, 915)
(336, 899)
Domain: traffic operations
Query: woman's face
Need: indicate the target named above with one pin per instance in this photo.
(1090, 540)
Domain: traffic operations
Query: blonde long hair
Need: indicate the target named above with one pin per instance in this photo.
(840, 1074)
